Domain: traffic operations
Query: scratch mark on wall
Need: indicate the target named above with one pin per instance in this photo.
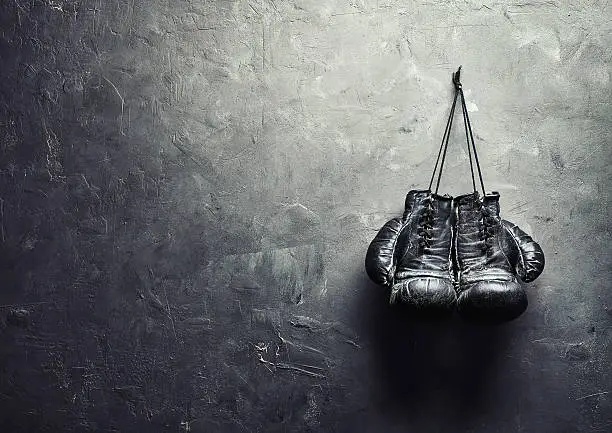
(300, 347)
(262, 349)
(593, 395)
(285, 366)
(185, 152)
(122, 104)
(54, 165)
(352, 343)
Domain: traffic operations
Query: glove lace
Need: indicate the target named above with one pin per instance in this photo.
(426, 224)
(487, 228)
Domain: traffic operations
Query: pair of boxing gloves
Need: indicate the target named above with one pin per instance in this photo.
(445, 254)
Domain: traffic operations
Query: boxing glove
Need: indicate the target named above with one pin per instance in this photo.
(412, 255)
(492, 254)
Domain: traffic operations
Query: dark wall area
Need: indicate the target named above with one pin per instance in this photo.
(188, 189)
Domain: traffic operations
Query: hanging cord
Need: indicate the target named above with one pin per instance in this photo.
(469, 136)
(444, 143)
(457, 82)
(466, 119)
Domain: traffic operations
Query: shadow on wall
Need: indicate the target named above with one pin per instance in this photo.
(430, 370)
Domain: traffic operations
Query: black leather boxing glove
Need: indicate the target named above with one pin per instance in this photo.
(492, 254)
(412, 254)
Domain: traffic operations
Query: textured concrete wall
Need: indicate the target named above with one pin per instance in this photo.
(188, 188)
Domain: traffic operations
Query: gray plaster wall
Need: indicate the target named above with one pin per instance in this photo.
(188, 189)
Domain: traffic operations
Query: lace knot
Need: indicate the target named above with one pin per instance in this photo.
(426, 223)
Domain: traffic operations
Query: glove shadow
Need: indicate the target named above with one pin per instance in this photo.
(431, 368)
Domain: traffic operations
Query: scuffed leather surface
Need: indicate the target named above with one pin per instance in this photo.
(380, 256)
(473, 263)
(425, 293)
(492, 300)
(434, 260)
(529, 255)
(491, 253)
(396, 256)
